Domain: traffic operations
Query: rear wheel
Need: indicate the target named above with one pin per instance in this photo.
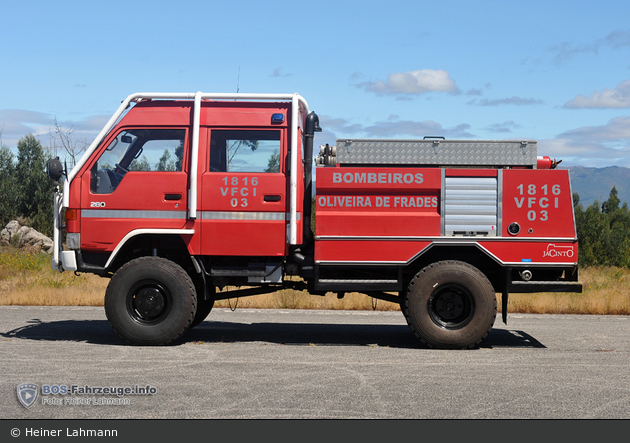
(150, 301)
(450, 304)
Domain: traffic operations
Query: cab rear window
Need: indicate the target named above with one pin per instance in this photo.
(245, 151)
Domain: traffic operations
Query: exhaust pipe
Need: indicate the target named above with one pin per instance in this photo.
(300, 255)
(311, 127)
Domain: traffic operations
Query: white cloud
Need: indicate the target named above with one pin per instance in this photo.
(415, 129)
(506, 126)
(592, 146)
(16, 123)
(277, 72)
(563, 147)
(514, 100)
(89, 127)
(391, 128)
(414, 82)
(618, 97)
(23, 116)
(588, 154)
(617, 129)
(566, 51)
(474, 91)
(617, 39)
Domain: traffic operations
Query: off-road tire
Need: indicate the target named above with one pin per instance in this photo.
(450, 304)
(204, 307)
(150, 301)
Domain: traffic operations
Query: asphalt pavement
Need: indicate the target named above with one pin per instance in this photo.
(301, 364)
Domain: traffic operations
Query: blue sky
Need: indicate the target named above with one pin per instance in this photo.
(553, 71)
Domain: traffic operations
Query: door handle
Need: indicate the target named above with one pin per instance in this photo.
(272, 198)
(171, 197)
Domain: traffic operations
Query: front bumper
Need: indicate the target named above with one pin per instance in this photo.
(69, 260)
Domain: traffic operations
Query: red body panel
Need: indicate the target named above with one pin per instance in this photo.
(377, 202)
(236, 219)
(365, 215)
(540, 201)
(552, 251)
(141, 193)
(386, 251)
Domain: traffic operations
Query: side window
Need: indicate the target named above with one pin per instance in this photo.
(137, 150)
(245, 151)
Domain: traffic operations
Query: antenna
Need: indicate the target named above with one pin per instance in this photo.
(238, 79)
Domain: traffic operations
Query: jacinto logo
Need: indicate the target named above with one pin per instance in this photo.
(27, 394)
(558, 251)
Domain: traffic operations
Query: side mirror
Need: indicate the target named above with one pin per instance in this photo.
(54, 169)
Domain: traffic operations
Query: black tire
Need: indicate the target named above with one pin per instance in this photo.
(450, 304)
(204, 307)
(150, 301)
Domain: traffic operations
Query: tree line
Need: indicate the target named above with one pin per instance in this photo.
(26, 193)
(603, 231)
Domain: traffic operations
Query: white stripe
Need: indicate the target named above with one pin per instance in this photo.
(114, 213)
(181, 215)
(441, 239)
(229, 215)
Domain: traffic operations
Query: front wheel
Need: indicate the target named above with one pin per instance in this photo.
(450, 304)
(204, 306)
(150, 301)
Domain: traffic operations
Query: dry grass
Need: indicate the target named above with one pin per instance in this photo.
(27, 279)
(606, 291)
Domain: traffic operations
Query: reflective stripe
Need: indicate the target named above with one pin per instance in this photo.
(113, 213)
(228, 215)
(181, 215)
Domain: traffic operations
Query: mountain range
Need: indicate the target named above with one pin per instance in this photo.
(596, 183)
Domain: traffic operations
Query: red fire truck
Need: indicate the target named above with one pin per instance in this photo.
(181, 194)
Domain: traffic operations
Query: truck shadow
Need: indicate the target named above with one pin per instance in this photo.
(297, 334)
(394, 336)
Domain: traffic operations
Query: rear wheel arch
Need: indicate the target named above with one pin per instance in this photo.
(471, 254)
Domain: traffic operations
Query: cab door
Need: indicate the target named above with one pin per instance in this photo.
(139, 181)
(244, 193)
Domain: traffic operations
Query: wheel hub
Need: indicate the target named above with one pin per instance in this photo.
(451, 307)
(149, 303)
